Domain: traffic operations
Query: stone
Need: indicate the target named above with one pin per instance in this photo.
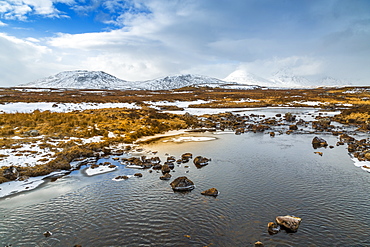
(11, 173)
(289, 222)
(273, 228)
(259, 244)
(165, 169)
(272, 134)
(182, 184)
(138, 175)
(166, 176)
(211, 192)
(319, 153)
(201, 161)
(318, 142)
(47, 234)
(293, 127)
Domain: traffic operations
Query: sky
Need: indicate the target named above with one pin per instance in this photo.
(147, 39)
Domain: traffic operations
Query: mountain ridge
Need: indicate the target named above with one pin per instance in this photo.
(239, 79)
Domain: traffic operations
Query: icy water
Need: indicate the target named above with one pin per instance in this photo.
(259, 178)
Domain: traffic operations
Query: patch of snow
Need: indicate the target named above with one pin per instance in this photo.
(63, 107)
(13, 187)
(99, 170)
(191, 139)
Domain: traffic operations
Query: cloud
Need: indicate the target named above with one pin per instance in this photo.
(161, 37)
(21, 9)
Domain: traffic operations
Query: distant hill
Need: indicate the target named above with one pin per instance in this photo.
(83, 79)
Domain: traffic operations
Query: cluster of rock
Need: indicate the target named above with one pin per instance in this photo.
(288, 223)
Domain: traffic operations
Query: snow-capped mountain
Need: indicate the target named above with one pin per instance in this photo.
(283, 78)
(242, 76)
(179, 81)
(80, 79)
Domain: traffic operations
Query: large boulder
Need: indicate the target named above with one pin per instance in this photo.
(210, 192)
(182, 184)
(289, 222)
(11, 173)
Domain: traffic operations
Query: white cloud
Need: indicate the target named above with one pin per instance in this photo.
(2, 24)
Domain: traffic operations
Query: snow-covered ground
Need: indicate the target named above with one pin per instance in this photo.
(59, 107)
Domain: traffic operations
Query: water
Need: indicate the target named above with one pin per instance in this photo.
(258, 177)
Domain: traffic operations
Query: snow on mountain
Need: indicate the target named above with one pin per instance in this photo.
(80, 79)
(179, 81)
(243, 77)
(284, 78)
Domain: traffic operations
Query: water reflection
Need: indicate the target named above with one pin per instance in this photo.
(258, 177)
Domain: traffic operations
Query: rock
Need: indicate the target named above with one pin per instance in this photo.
(32, 133)
(211, 192)
(293, 127)
(47, 234)
(367, 156)
(289, 117)
(319, 153)
(272, 134)
(289, 222)
(11, 173)
(258, 244)
(182, 184)
(121, 177)
(273, 228)
(318, 142)
(138, 175)
(165, 169)
(201, 161)
(166, 176)
(186, 157)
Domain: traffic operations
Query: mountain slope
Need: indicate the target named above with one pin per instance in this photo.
(179, 81)
(242, 76)
(80, 79)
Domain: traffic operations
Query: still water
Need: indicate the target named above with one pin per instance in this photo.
(259, 178)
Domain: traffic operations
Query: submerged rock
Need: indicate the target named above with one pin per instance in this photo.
(166, 176)
(289, 222)
(47, 234)
(182, 184)
(165, 169)
(273, 228)
(138, 175)
(211, 192)
(258, 244)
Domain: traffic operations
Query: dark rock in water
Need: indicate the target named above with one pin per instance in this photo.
(165, 169)
(289, 117)
(272, 134)
(170, 165)
(157, 167)
(182, 184)
(291, 223)
(11, 173)
(186, 157)
(171, 159)
(47, 234)
(293, 127)
(259, 244)
(201, 161)
(318, 142)
(138, 175)
(273, 228)
(166, 176)
(210, 192)
(121, 177)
